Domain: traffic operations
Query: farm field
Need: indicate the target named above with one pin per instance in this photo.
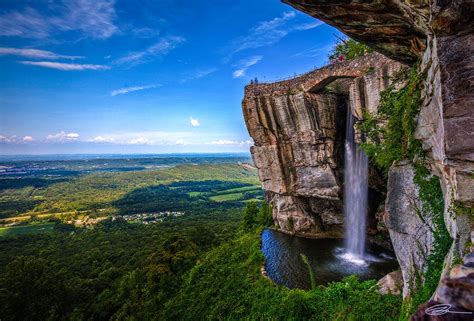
(26, 229)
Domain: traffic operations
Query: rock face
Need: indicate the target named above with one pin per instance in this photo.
(298, 127)
(440, 33)
(411, 234)
(392, 283)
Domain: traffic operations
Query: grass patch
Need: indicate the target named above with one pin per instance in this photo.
(226, 197)
(226, 284)
(239, 189)
(26, 229)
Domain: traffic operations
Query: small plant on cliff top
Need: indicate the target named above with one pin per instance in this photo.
(347, 49)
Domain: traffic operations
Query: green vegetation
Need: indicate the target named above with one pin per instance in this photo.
(431, 197)
(226, 284)
(389, 139)
(398, 109)
(305, 260)
(227, 197)
(118, 192)
(26, 229)
(257, 215)
(349, 49)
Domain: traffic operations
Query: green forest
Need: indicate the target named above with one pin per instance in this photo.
(203, 265)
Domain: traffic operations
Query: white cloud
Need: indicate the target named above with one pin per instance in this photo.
(194, 122)
(160, 48)
(315, 51)
(64, 66)
(245, 64)
(198, 74)
(28, 139)
(101, 139)
(62, 136)
(35, 53)
(7, 139)
(265, 33)
(92, 18)
(151, 138)
(308, 26)
(269, 32)
(126, 90)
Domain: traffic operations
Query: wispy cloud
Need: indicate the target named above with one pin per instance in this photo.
(269, 32)
(62, 136)
(194, 122)
(35, 53)
(64, 66)
(198, 74)
(92, 18)
(314, 51)
(152, 138)
(307, 26)
(245, 64)
(265, 33)
(8, 139)
(28, 139)
(126, 90)
(159, 49)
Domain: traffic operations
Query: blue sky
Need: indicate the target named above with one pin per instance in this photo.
(104, 76)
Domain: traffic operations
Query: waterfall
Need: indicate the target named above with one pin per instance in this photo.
(355, 190)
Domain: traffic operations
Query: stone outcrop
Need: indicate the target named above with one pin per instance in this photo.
(298, 127)
(440, 34)
(411, 234)
(392, 283)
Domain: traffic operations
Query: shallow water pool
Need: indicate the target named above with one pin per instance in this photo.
(327, 258)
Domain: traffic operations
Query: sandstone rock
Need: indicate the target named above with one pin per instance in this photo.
(411, 234)
(298, 127)
(392, 283)
(460, 271)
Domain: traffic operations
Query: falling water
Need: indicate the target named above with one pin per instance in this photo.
(355, 189)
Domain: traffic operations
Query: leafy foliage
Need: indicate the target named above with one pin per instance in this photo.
(115, 271)
(257, 215)
(227, 285)
(349, 49)
(390, 132)
(390, 138)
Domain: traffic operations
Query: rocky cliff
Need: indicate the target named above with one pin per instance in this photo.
(297, 132)
(298, 127)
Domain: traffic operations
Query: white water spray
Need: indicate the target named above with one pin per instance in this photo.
(355, 191)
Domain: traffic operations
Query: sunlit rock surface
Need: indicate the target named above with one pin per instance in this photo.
(440, 34)
(298, 127)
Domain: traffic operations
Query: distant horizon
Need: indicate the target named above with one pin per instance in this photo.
(106, 76)
(20, 157)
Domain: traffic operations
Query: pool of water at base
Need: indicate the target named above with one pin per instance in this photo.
(327, 257)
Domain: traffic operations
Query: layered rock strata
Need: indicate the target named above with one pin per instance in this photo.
(298, 127)
(440, 34)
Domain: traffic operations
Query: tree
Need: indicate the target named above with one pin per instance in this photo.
(250, 215)
(265, 217)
